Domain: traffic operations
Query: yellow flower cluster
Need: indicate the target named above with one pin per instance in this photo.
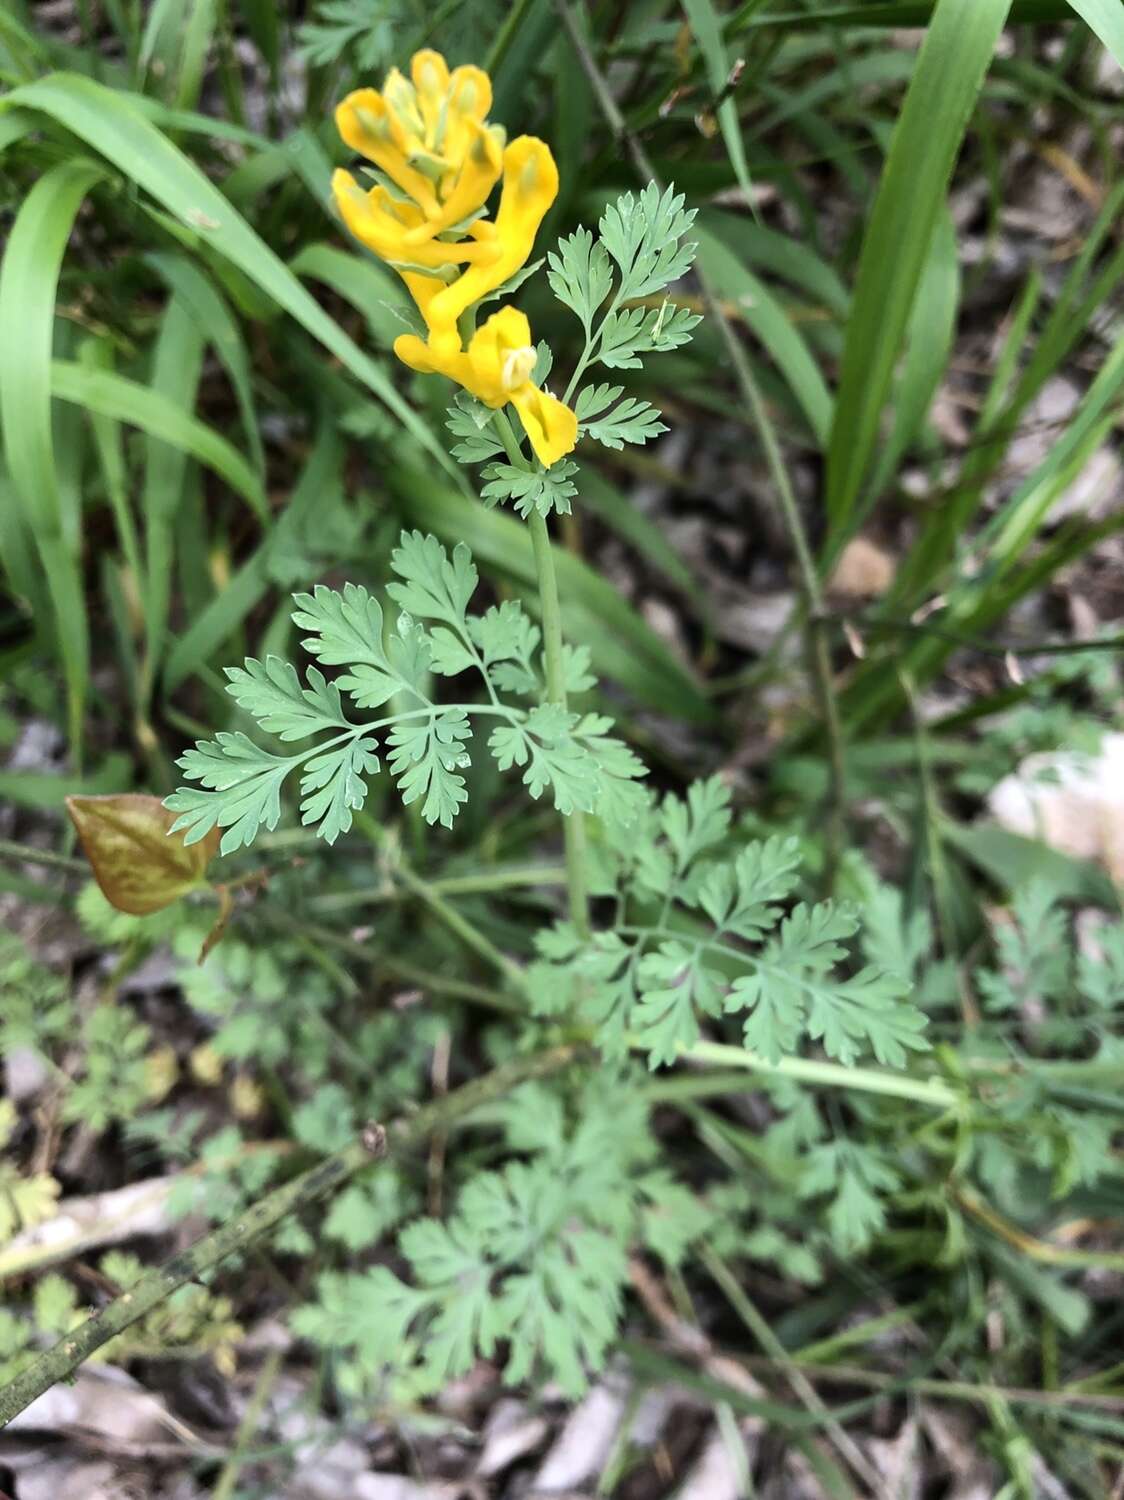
(439, 160)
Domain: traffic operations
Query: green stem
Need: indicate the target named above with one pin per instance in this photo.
(26, 854)
(516, 878)
(458, 926)
(267, 1378)
(826, 1074)
(507, 34)
(373, 1145)
(398, 869)
(573, 826)
(762, 1331)
(425, 979)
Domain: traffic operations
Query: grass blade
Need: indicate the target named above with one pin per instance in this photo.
(127, 400)
(97, 353)
(177, 365)
(146, 156)
(1105, 18)
(217, 622)
(975, 603)
(932, 326)
(894, 13)
(766, 318)
(707, 31)
(220, 328)
(950, 70)
(365, 284)
(28, 292)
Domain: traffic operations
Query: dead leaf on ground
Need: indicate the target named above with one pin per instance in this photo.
(139, 865)
(864, 570)
(586, 1440)
(87, 1223)
(105, 1403)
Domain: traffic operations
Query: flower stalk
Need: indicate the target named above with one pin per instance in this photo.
(573, 826)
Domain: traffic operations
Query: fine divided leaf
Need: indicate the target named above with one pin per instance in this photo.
(426, 743)
(643, 232)
(790, 977)
(580, 274)
(632, 421)
(529, 490)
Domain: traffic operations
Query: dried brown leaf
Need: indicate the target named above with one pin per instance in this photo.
(140, 867)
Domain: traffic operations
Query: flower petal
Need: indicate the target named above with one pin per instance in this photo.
(551, 426)
(530, 186)
(377, 221)
(370, 126)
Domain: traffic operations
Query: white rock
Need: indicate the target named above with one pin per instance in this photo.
(1074, 803)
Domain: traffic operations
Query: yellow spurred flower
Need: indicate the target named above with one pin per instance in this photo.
(440, 159)
(389, 228)
(430, 138)
(530, 186)
(496, 368)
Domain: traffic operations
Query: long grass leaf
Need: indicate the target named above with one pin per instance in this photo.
(707, 29)
(129, 401)
(894, 13)
(147, 157)
(1105, 18)
(221, 330)
(976, 601)
(366, 285)
(29, 279)
(950, 70)
(177, 364)
(97, 354)
(193, 55)
(765, 317)
(218, 621)
(782, 256)
(931, 327)
(17, 551)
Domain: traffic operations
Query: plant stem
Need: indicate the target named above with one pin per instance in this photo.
(828, 1075)
(818, 623)
(439, 984)
(228, 1479)
(981, 1394)
(27, 854)
(1029, 1245)
(458, 925)
(507, 34)
(515, 877)
(762, 1331)
(374, 1144)
(398, 869)
(573, 826)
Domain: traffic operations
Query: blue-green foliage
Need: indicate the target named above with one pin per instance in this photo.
(709, 928)
(532, 1260)
(426, 742)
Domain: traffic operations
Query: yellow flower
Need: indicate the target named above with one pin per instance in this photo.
(390, 229)
(530, 186)
(430, 137)
(496, 368)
